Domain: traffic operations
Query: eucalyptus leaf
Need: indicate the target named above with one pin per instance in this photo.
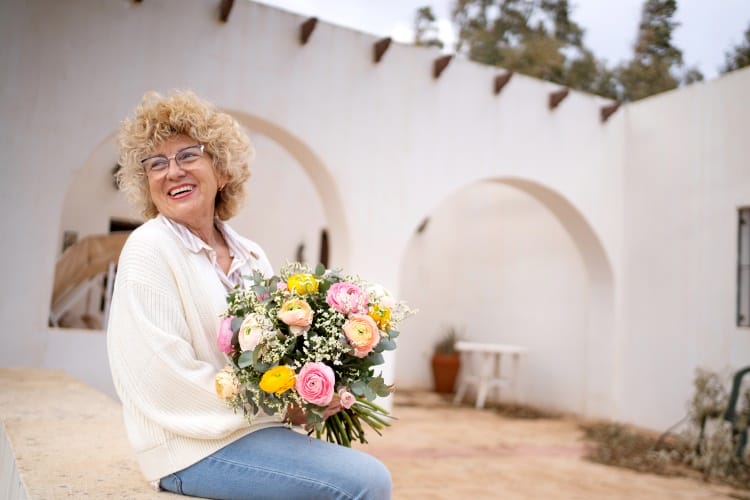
(369, 393)
(358, 388)
(386, 344)
(245, 359)
(320, 269)
(253, 407)
(235, 324)
(375, 358)
(257, 364)
(265, 407)
(379, 386)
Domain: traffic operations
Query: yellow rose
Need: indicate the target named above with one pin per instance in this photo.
(381, 315)
(278, 379)
(226, 384)
(302, 283)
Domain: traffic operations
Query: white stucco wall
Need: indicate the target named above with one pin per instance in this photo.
(382, 147)
(687, 173)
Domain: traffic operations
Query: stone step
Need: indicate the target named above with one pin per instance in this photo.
(62, 439)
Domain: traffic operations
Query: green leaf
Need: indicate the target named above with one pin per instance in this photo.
(235, 324)
(375, 358)
(369, 393)
(264, 406)
(245, 359)
(261, 367)
(385, 344)
(249, 396)
(320, 269)
(379, 386)
(323, 287)
(358, 388)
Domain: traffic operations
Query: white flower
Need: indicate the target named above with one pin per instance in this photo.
(252, 330)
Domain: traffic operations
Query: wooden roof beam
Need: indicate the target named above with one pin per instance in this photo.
(606, 111)
(439, 65)
(555, 98)
(501, 81)
(380, 47)
(306, 29)
(225, 7)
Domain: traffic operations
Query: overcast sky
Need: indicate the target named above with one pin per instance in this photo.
(708, 27)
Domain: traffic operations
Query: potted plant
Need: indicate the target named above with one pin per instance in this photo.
(446, 362)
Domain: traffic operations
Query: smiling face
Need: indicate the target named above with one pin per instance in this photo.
(187, 193)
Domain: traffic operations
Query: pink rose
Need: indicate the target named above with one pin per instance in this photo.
(224, 339)
(315, 383)
(347, 398)
(347, 298)
(362, 333)
(297, 314)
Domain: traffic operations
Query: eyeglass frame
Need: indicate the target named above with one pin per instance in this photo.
(169, 159)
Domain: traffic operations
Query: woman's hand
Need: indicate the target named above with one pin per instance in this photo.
(297, 416)
(333, 407)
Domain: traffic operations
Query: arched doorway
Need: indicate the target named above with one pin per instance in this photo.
(291, 204)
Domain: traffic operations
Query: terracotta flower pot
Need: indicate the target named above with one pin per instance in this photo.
(445, 371)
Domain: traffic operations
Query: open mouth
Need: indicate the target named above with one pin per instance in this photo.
(180, 191)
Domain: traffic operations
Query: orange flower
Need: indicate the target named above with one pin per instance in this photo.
(297, 314)
(362, 334)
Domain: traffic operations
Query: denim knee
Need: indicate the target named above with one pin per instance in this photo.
(380, 483)
(373, 479)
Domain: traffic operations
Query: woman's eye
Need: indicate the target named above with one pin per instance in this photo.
(188, 156)
(158, 164)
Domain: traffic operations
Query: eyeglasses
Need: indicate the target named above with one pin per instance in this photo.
(159, 164)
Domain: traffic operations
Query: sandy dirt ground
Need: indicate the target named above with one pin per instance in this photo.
(437, 451)
(68, 442)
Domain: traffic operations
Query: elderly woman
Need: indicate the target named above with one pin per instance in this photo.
(184, 166)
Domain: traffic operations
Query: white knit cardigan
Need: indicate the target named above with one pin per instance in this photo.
(161, 342)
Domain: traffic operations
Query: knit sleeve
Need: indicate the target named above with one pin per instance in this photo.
(153, 361)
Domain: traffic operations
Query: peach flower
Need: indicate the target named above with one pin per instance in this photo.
(226, 384)
(362, 333)
(297, 314)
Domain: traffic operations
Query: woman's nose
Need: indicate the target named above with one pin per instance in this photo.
(175, 172)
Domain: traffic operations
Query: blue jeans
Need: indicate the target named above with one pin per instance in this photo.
(281, 463)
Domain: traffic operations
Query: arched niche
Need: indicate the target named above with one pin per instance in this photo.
(511, 260)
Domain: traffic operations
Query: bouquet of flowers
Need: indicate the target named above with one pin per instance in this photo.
(310, 340)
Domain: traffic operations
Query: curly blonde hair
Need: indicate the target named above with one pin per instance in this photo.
(158, 119)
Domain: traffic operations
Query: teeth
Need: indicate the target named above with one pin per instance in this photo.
(180, 190)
